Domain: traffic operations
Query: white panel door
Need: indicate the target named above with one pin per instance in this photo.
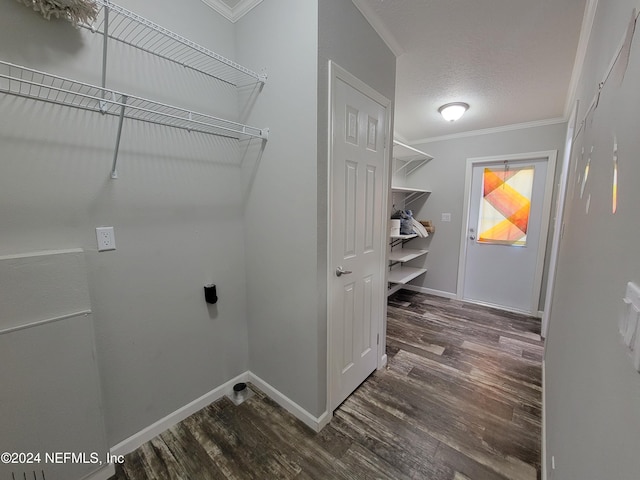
(507, 272)
(357, 237)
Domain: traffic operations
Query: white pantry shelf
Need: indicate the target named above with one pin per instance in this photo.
(403, 237)
(403, 275)
(411, 157)
(409, 190)
(412, 194)
(404, 255)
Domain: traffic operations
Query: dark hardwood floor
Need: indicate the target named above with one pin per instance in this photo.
(460, 400)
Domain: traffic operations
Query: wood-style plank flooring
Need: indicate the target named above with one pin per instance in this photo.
(460, 400)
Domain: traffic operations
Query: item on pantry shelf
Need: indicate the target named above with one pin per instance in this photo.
(428, 226)
(419, 229)
(395, 228)
(406, 224)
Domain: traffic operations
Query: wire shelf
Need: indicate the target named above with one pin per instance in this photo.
(134, 30)
(25, 82)
(33, 84)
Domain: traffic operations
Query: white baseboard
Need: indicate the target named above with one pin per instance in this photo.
(453, 296)
(383, 361)
(136, 440)
(105, 473)
(130, 444)
(544, 425)
(429, 291)
(315, 423)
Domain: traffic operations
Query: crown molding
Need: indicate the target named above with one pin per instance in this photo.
(400, 138)
(377, 24)
(232, 14)
(487, 131)
(581, 52)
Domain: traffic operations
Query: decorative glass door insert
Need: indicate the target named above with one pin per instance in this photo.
(505, 205)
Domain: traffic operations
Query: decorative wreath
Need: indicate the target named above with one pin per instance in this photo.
(76, 11)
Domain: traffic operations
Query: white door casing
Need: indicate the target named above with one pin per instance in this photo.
(559, 220)
(503, 276)
(358, 194)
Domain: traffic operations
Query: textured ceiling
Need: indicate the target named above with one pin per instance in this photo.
(510, 60)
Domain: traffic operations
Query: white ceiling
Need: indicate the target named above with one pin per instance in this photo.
(510, 60)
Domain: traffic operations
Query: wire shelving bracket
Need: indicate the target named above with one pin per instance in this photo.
(409, 156)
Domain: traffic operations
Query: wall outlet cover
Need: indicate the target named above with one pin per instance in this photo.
(106, 239)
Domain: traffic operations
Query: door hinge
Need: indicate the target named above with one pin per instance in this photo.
(378, 339)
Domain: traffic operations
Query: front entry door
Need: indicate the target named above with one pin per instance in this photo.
(506, 231)
(357, 227)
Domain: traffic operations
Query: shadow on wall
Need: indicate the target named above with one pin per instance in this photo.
(247, 96)
(251, 152)
(34, 35)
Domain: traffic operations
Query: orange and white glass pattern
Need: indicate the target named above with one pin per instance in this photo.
(505, 206)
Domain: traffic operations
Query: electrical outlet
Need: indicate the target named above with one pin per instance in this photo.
(446, 217)
(106, 239)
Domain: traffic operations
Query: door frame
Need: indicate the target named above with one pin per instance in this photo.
(338, 73)
(558, 225)
(550, 156)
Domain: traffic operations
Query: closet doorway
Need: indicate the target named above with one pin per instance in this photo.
(358, 194)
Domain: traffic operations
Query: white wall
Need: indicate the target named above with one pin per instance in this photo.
(188, 210)
(592, 392)
(445, 177)
(176, 209)
(286, 210)
(281, 235)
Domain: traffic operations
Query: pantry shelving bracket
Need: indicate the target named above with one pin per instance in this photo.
(28, 83)
(412, 194)
(117, 23)
(401, 239)
(410, 157)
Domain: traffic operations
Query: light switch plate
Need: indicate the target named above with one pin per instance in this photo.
(630, 323)
(446, 217)
(635, 354)
(629, 313)
(106, 239)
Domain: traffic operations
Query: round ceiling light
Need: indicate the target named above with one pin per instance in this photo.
(453, 111)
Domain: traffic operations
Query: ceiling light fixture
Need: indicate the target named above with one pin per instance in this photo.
(453, 111)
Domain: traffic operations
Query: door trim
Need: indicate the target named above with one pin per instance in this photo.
(551, 156)
(336, 72)
(559, 219)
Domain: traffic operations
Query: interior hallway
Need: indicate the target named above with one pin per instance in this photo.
(460, 399)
